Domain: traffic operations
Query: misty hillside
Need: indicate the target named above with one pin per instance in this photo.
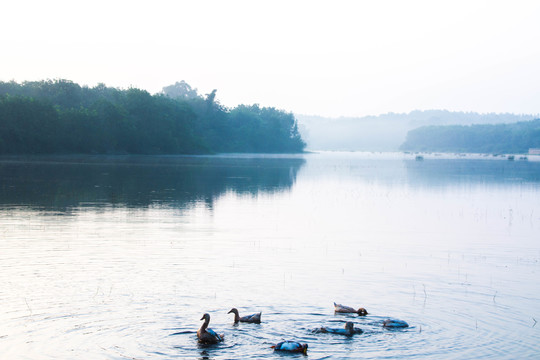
(385, 132)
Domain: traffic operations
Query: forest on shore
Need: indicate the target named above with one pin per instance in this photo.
(516, 138)
(62, 117)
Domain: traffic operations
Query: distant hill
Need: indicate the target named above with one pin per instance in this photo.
(514, 138)
(385, 132)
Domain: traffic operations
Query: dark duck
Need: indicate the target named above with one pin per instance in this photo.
(253, 318)
(207, 335)
(394, 323)
(291, 346)
(348, 330)
(347, 309)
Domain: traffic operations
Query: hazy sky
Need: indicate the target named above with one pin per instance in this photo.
(328, 58)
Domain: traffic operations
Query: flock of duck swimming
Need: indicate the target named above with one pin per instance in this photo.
(209, 336)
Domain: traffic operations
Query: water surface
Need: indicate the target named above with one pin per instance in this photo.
(119, 257)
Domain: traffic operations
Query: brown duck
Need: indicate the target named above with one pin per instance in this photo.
(253, 318)
(207, 335)
(347, 309)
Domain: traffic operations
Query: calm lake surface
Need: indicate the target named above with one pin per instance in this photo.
(119, 257)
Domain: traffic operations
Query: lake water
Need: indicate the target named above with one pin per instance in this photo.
(119, 257)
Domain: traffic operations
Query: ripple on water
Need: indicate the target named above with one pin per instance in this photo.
(120, 335)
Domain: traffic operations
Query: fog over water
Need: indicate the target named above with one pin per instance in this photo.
(119, 257)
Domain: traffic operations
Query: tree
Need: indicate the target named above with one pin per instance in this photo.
(180, 90)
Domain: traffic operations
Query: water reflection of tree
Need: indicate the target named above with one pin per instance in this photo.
(61, 183)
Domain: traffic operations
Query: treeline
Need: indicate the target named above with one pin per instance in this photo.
(500, 138)
(386, 132)
(60, 116)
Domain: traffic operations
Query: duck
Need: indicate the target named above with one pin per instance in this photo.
(291, 346)
(253, 318)
(347, 309)
(207, 335)
(394, 323)
(348, 330)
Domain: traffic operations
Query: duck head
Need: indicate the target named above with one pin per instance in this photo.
(206, 317)
(234, 311)
(349, 326)
(362, 312)
(236, 315)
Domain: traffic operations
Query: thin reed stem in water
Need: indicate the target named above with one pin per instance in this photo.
(28, 306)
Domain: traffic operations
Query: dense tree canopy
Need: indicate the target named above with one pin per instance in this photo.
(59, 116)
(500, 138)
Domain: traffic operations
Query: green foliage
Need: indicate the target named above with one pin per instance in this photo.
(27, 126)
(62, 117)
(273, 129)
(180, 90)
(500, 138)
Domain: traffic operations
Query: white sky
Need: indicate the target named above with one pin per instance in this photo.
(329, 58)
